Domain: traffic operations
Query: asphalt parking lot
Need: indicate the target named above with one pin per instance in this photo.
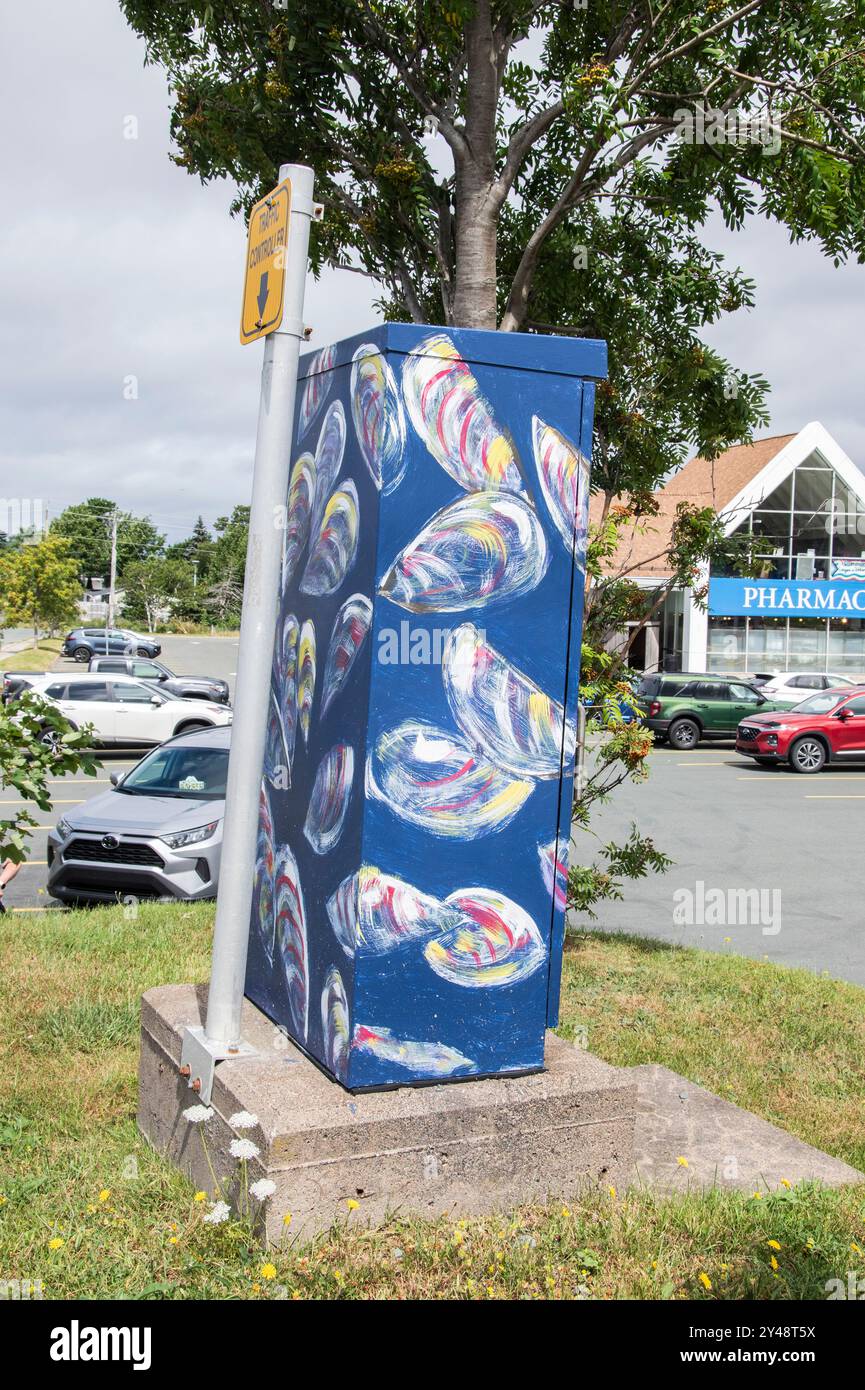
(733, 826)
(188, 656)
(792, 844)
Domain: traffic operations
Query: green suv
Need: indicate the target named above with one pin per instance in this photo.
(682, 708)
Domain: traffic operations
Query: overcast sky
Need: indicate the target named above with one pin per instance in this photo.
(115, 264)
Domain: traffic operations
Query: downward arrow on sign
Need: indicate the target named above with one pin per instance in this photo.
(262, 294)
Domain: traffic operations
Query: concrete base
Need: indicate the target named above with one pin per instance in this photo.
(456, 1149)
(725, 1146)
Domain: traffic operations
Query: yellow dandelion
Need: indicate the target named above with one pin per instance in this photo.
(172, 1240)
(785, 1182)
(56, 1243)
(682, 1162)
(268, 1271)
(352, 1204)
(338, 1275)
(297, 1294)
(2, 1200)
(458, 1237)
(565, 1211)
(612, 1192)
(200, 1197)
(105, 1194)
(256, 1288)
(855, 1248)
(773, 1245)
(773, 1262)
(758, 1196)
(286, 1220)
(654, 1264)
(809, 1243)
(705, 1280)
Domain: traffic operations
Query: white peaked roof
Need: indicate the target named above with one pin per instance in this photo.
(812, 438)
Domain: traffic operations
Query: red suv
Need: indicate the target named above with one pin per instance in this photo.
(826, 728)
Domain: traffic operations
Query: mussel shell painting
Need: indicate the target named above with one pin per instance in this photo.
(411, 861)
(456, 423)
(486, 548)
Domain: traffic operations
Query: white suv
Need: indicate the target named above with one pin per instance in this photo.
(791, 687)
(124, 712)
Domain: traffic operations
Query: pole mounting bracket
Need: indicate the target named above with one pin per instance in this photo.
(199, 1056)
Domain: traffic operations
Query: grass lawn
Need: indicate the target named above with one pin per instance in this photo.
(90, 1211)
(40, 658)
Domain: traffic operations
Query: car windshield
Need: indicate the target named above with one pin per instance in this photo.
(197, 773)
(817, 704)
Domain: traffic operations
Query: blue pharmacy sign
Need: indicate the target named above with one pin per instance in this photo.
(408, 913)
(780, 598)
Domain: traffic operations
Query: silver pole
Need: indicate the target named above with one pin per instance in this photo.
(257, 626)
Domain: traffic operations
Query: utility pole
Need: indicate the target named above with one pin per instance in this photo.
(113, 573)
(202, 1048)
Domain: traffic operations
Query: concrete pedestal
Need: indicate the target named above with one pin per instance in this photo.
(460, 1148)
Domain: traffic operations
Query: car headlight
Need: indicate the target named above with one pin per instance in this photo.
(189, 837)
(64, 827)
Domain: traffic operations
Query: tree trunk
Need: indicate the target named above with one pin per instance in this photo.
(474, 303)
(477, 203)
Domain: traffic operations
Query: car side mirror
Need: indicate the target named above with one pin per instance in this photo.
(116, 778)
(163, 677)
(155, 700)
(763, 700)
(842, 713)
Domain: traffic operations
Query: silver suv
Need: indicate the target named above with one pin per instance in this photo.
(156, 834)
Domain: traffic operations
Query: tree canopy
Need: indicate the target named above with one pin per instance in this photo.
(87, 528)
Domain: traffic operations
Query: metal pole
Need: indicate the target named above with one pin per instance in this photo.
(257, 627)
(112, 578)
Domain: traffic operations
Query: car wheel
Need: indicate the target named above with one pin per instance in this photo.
(142, 651)
(49, 738)
(807, 755)
(81, 654)
(684, 734)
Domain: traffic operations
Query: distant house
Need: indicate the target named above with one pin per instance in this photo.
(804, 498)
(93, 604)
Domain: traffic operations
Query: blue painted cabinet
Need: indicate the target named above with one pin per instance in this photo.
(408, 912)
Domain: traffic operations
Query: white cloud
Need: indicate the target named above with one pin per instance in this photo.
(114, 263)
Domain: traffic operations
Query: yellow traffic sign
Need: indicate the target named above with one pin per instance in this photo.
(266, 251)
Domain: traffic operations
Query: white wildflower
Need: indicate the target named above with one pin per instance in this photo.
(243, 1120)
(197, 1114)
(262, 1189)
(218, 1213)
(243, 1148)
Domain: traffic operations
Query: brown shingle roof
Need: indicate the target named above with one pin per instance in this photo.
(703, 482)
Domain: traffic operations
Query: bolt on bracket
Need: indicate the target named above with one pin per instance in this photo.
(199, 1056)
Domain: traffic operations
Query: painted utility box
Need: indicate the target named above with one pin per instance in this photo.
(408, 913)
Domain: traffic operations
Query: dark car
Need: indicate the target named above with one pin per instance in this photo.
(83, 643)
(159, 676)
(13, 684)
(682, 708)
(826, 728)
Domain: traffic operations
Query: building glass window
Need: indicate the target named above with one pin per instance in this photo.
(726, 649)
(767, 644)
(847, 646)
(807, 645)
